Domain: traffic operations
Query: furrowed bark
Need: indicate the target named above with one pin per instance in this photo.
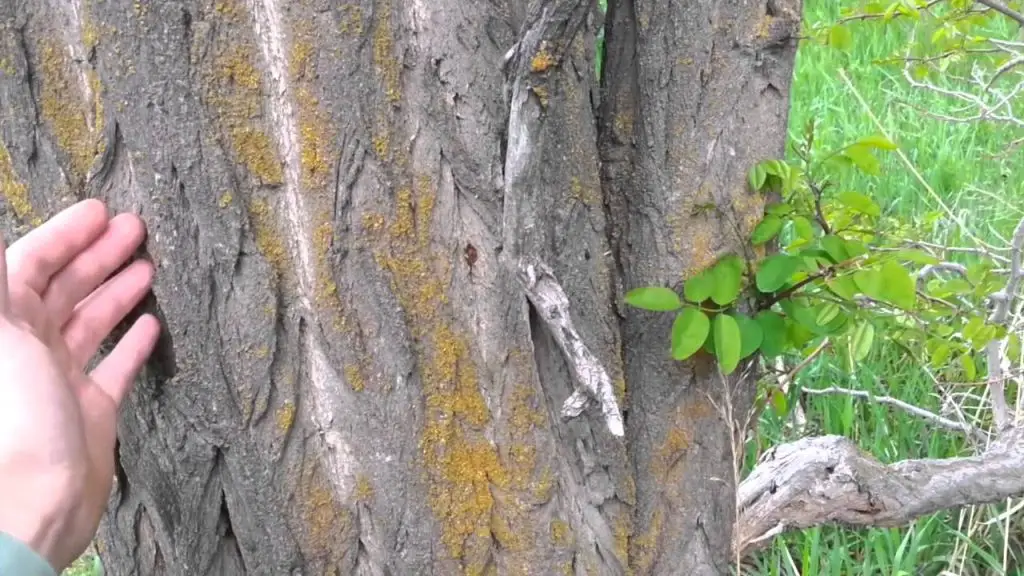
(352, 379)
(696, 93)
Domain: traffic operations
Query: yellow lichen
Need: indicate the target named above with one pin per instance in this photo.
(587, 195)
(622, 536)
(561, 533)
(13, 190)
(225, 199)
(384, 58)
(325, 519)
(373, 222)
(354, 377)
(351, 19)
(236, 96)
(285, 416)
(542, 60)
(62, 106)
(461, 463)
(643, 549)
(364, 490)
(266, 236)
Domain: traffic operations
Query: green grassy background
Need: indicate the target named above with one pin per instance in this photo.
(986, 192)
(959, 162)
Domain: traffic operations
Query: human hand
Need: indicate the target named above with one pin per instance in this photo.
(57, 423)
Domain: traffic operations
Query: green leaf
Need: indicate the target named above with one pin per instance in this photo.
(775, 271)
(863, 159)
(751, 334)
(727, 275)
(727, 342)
(843, 286)
(689, 331)
(862, 339)
(860, 202)
(766, 230)
(869, 281)
(970, 370)
(916, 256)
(773, 331)
(835, 247)
(698, 288)
(949, 287)
(855, 248)
(803, 228)
(779, 403)
(941, 354)
(757, 176)
(779, 209)
(839, 37)
(827, 313)
(898, 285)
(654, 298)
(877, 141)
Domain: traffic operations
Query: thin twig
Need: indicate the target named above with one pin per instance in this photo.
(1004, 10)
(942, 421)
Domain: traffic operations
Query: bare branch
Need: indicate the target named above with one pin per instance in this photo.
(1003, 9)
(962, 427)
(594, 384)
(829, 480)
(995, 350)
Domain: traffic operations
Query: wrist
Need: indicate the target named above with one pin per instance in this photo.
(39, 520)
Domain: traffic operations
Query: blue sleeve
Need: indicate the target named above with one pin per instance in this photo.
(17, 558)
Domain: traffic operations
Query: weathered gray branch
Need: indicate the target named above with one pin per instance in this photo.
(829, 480)
(1002, 303)
(552, 304)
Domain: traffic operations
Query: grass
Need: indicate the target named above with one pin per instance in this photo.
(985, 193)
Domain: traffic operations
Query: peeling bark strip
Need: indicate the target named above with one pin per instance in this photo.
(551, 302)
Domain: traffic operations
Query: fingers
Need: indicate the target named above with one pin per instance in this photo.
(94, 318)
(92, 266)
(41, 253)
(116, 373)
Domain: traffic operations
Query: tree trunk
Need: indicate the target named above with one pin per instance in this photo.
(352, 379)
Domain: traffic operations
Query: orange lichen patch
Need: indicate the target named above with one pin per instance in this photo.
(267, 238)
(542, 60)
(63, 107)
(676, 441)
(285, 416)
(354, 377)
(643, 549)
(561, 533)
(384, 59)
(326, 288)
(236, 97)
(748, 209)
(14, 191)
(364, 490)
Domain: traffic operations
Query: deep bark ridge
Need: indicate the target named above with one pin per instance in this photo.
(391, 240)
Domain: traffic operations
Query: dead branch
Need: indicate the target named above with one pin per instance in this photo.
(552, 304)
(829, 480)
(995, 350)
(962, 427)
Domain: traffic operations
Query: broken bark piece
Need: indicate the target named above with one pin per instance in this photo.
(593, 383)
